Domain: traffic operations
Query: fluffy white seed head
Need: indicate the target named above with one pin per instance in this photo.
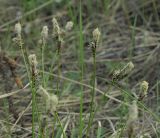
(43, 92)
(44, 32)
(132, 118)
(18, 28)
(51, 100)
(133, 112)
(96, 35)
(69, 26)
(51, 103)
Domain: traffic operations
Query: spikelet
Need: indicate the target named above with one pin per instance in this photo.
(143, 90)
(18, 29)
(32, 59)
(56, 29)
(96, 35)
(116, 73)
(18, 38)
(33, 63)
(69, 26)
(144, 87)
(128, 68)
(44, 32)
(121, 73)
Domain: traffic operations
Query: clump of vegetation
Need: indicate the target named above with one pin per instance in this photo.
(79, 70)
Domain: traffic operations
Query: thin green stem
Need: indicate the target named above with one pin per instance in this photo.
(33, 87)
(32, 80)
(59, 121)
(81, 63)
(59, 45)
(92, 104)
(33, 110)
(42, 60)
(24, 55)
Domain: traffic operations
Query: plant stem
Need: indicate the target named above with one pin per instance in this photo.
(81, 64)
(59, 121)
(59, 45)
(42, 60)
(33, 86)
(24, 55)
(92, 110)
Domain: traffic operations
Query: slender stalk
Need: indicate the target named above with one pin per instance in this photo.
(44, 35)
(54, 124)
(33, 86)
(33, 69)
(81, 63)
(33, 106)
(59, 45)
(92, 105)
(42, 61)
(32, 75)
(59, 40)
(24, 55)
(59, 121)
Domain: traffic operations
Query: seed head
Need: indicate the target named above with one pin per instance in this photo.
(69, 26)
(56, 28)
(44, 32)
(32, 59)
(133, 112)
(43, 92)
(116, 74)
(130, 65)
(128, 68)
(96, 35)
(52, 103)
(144, 87)
(18, 28)
(50, 99)
(133, 116)
(121, 73)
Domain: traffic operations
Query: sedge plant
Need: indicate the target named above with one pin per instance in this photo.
(31, 73)
(44, 35)
(94, 44)
(34, 72)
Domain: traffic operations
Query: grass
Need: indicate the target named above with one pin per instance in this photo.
(90, 102)
(81, 64)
